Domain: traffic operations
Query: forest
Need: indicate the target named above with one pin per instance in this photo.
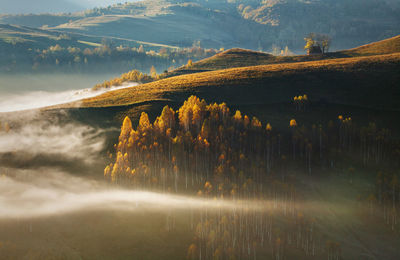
(211, 152)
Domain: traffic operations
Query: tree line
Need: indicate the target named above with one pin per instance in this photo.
(104, 56)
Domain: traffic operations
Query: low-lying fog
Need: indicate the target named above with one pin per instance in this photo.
(34, 181)
(55, 82)
(38, 99)
(42, 192)
(53, 140)
(41, 157)
(36, 91)
(43, 164)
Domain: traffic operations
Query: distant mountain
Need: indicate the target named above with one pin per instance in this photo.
(251, 24)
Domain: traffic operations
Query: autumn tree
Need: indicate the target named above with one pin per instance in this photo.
(153, 72)
(317, 42)
(293, 125)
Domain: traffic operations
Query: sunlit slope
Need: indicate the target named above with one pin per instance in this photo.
(237, 57)
(391, 45)
(364, 81)
(165, 22)
(241, 58)
(232, 58)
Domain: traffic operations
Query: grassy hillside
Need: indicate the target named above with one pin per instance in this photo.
(246, 23)
(232, 58)
(43, 38)
(236, 57)
(241, 58)
(363, 81)
(27, 49)
(39, 38)
(391, 45)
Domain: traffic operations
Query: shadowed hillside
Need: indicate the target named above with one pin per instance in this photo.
(363, 81)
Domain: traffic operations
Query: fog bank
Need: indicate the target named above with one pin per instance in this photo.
(52, 140)
(27, 194)
(10, 102)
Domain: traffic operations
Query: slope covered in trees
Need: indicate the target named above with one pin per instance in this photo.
(211, 143)
(212, 152)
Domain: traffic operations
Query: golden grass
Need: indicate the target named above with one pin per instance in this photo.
(234, 58)
(243, 76)
(391, 45)
(242, 58)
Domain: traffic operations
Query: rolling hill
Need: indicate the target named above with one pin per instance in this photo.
(242, 58)
(362, 81)
(218, 23)
(44, 38)
(29, 49)
(391, 45)
(365, 87)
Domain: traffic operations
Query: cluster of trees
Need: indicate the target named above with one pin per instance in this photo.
(277, 51)
(108, 53)
(206, 142)
(317, 43)
(104, 56)
(270, 227)
(383, 203)
(131, 76)
(245, 233)
(300, 102)
(375, 143)
(200, 143)
(207, 150)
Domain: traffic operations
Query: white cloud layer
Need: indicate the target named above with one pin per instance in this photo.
(38, 99)
(70, 141)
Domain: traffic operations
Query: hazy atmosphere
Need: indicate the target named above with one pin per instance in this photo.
(207, 129)
(46, 6)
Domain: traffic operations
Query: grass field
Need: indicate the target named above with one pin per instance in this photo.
(242, 58)
(361, 81)
(391, 45)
